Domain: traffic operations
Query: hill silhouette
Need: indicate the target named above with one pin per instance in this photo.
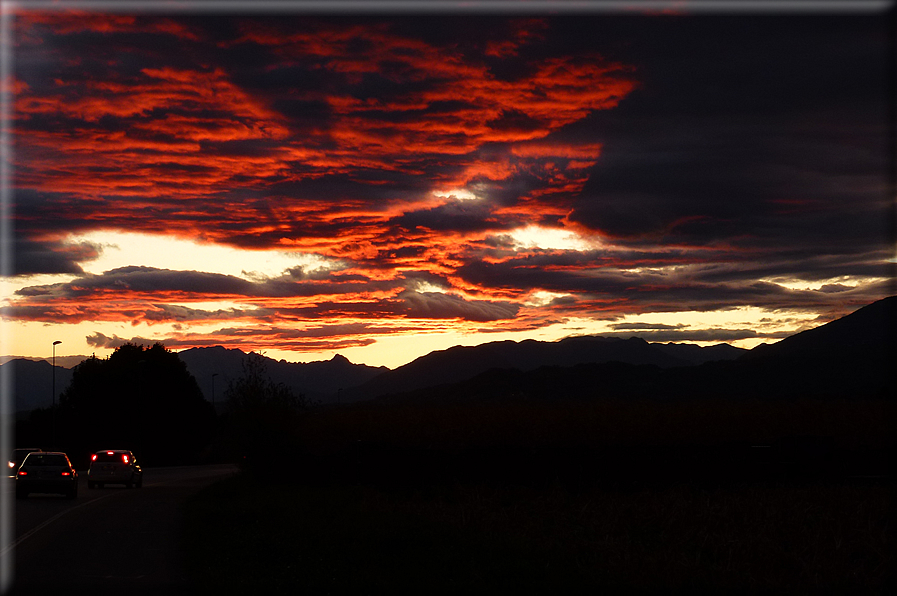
(465, 362)
(851, 357)
(809, 410)
(319, 381)
(868, 331)
(33, 383)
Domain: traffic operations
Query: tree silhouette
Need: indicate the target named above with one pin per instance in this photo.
(263, 415)
(139, 398)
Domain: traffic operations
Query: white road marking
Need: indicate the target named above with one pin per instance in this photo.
(34, 530)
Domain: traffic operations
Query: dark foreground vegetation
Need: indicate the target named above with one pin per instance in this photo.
(563, 497)
(447, 539)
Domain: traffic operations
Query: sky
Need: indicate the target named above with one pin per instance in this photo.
(384, 184)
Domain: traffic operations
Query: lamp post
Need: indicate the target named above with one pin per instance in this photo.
(55, 343)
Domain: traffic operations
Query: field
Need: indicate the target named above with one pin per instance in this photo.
(511, 497)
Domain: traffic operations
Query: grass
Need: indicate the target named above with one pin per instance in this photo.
(600, 422)
(560, 498)
(440, 539)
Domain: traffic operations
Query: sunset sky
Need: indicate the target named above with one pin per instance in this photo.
(384, 184)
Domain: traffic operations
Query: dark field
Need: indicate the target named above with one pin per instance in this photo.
(560, 498)
(363, 539)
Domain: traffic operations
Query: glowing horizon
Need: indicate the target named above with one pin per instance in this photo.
(382, 187)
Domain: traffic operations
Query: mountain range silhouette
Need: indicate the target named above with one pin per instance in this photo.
(851, 356)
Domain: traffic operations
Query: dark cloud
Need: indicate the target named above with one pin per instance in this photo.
(698, 335)
(436, 305)
(515, 120)
(664, 291)
(100, 340)
(35, 257)
(454, 215)
(175, 313)
(139, 280)
(136, 281)
(748, 131)
(645, 327)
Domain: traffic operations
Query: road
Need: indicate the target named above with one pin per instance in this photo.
(110, 540)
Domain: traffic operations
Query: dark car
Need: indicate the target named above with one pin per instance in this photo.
(114, 466)
(18, 456)
(46, 472)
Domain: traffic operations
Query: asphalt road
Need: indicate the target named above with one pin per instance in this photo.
(110, 540)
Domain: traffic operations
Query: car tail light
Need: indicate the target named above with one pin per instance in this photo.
(23, 473)
(93, 457)
(124, 457)
(109, 453)
(66, 473)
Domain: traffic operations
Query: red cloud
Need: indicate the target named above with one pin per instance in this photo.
(174, 113)
(66, 21)
(167, 142)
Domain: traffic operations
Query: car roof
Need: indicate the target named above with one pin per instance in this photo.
(43, 453)
(113, 451)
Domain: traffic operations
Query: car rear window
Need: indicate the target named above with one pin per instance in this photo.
(36, 459)
(104, 457)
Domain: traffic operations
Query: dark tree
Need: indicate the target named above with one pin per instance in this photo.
(143, 399)
(263, 416)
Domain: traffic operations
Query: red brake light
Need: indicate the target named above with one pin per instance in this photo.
(66, 473)
(108, 453)
(124, 457)
(23, 473)
(93, 457)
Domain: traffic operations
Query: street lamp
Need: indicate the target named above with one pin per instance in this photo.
(55, 343)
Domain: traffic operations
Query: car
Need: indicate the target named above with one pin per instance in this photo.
(114, 466)
(18, 455)
(46, 472)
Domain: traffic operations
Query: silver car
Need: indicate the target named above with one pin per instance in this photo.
(114, 466)
(46, 472)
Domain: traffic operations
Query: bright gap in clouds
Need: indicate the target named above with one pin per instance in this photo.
(122, 249)
(457, 193)
(212, 306)
(427, 287)
(764, 322)
(848, 281)
(538, 237)
(543, 297)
